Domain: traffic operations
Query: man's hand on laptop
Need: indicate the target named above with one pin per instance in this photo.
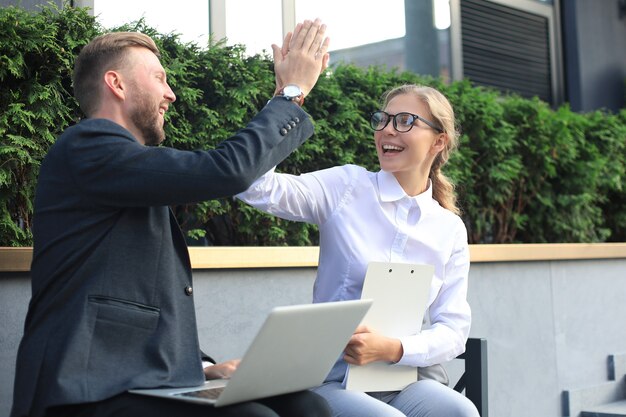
(221, 370)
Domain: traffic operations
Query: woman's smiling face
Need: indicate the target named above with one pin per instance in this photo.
(407, 154)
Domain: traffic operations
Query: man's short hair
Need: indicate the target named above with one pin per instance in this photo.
(104, 53)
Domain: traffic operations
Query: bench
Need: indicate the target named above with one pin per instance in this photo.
(474, 379)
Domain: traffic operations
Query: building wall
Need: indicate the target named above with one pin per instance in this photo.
(594, 36)
(29, 4)
(550, 325)
(387, 54)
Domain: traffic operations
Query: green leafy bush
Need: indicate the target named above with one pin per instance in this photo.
(524, 172)
(37, 53)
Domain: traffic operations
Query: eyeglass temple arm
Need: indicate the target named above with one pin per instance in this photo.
(431, 124)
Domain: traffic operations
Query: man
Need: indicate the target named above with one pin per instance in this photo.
(112, 300)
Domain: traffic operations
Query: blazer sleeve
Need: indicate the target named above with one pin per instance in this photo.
(110, 167)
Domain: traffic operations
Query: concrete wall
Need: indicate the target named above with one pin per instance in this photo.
(550, 325)
(14, 296)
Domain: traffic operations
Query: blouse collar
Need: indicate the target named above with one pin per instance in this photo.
(390, 190)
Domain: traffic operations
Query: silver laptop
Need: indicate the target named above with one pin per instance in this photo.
(294, 350)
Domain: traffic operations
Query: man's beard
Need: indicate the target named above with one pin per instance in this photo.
(146, 117)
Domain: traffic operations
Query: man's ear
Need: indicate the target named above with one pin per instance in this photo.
(114, 84)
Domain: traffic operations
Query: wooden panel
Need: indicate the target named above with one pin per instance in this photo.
(253, 257)
(18, 259)
(15, 259)
(546, 251)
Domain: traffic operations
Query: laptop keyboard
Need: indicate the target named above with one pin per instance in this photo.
(209, 393)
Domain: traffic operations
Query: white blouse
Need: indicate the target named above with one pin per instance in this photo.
(364, 217)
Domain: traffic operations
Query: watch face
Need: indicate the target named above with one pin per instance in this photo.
(291, 91)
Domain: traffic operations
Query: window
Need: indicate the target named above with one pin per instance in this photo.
(363, 32)
(256, 24)
(353, 23)
(160, 14)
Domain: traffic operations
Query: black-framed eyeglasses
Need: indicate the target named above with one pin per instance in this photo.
(402, 122)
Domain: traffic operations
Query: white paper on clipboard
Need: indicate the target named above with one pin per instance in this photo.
(400, 293)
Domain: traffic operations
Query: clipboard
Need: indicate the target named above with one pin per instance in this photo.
(400, 293)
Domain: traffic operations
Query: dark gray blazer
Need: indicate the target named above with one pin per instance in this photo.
(111, 307)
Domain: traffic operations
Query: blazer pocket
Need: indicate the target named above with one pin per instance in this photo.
(124, 312)
(122, 342)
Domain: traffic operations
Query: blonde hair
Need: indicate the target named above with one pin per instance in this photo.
(442, 115)
(102, 54)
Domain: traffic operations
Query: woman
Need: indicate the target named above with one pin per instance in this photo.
(406, 212)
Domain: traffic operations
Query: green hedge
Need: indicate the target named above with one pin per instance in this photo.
(525, 172)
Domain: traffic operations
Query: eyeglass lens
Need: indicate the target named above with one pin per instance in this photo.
(379, 120)
(402, 122)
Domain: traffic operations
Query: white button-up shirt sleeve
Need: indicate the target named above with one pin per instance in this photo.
(450, 314)
(365, 217)
(300, 198)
